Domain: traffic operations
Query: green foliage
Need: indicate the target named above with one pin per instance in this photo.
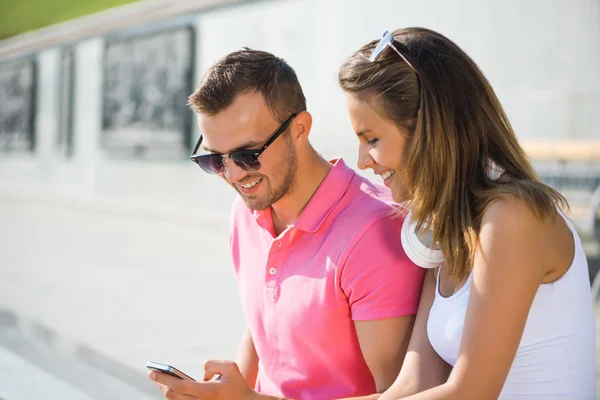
(18, 16)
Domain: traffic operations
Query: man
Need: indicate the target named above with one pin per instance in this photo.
(328, 293)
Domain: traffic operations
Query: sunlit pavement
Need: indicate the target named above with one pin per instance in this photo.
(87, 297)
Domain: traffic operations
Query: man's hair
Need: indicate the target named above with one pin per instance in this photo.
(247, 71)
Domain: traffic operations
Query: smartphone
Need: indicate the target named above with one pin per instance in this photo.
(167, 369)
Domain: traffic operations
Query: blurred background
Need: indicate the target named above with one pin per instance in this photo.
(114, 246)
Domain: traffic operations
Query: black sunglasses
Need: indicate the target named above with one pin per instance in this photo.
(387, 40)
(245, 159)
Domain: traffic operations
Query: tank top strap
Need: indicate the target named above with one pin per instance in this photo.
(571, 225)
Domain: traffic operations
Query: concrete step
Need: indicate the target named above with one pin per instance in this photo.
(22, 379)
(43, 366)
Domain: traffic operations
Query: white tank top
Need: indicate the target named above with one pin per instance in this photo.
(556, 355)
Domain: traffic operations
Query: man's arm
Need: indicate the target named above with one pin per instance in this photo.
(247, 358)
(383, 288)
(422, 367)
(383, 344)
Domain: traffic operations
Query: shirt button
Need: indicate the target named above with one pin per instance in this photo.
(279, 244)
(272, 270)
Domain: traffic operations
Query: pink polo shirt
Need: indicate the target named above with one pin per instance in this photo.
(342, 261)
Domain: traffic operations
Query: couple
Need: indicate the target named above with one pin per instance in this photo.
(481, 291)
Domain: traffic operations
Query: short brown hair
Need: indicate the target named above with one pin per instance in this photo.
(246, 71)
(456, 128)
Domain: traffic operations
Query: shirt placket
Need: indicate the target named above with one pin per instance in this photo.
(274, 268)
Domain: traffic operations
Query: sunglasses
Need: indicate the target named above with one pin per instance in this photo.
(387, 40)
(247, 160)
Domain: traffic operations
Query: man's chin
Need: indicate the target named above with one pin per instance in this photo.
(255, 204)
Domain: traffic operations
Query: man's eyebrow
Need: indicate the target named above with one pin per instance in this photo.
(245, 146)
(359, 134)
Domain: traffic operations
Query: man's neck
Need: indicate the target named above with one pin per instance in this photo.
(287, 210)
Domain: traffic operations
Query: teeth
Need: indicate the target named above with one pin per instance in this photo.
(387, 174)
(251, 184)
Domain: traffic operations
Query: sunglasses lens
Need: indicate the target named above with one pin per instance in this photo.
(211, 163)
(246, 160)
(386, 39)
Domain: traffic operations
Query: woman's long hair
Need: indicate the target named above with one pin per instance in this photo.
(457, 130)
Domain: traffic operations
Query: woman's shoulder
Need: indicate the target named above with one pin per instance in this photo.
(523, 202)
(511, 223)
(510, 209)
(512, 214)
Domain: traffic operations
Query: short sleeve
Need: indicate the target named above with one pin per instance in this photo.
(377, 277)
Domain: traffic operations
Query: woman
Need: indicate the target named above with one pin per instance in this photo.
(507, 312)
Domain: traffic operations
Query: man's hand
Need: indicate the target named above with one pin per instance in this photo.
(229, 384)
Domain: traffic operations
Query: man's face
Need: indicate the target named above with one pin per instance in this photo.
(245, 125)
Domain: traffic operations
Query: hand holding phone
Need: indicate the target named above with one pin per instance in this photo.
(226, 381)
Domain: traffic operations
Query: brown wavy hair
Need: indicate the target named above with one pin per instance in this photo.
(456, 126)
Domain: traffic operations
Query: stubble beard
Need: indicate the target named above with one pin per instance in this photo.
(289, 167)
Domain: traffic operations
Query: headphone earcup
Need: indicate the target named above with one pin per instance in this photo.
(417, 252)
(419, 248)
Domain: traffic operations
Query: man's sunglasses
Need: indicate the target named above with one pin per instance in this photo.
(245, 159)
(387, 40)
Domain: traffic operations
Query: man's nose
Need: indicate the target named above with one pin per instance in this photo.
(232, 172)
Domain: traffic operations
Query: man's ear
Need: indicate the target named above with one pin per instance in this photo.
(301, 126)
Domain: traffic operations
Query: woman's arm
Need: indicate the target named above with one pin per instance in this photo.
(422, 367)
(509, 266)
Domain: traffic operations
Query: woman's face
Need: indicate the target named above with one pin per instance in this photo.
(381, 145)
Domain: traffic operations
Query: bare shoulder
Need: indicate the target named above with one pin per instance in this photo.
(509, 224)
(511, 215)
(510, 209)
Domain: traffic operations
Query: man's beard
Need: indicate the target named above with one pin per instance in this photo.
(288, 171)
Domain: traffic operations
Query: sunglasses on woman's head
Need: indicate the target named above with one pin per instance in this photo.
(387, 40)
(248, 160)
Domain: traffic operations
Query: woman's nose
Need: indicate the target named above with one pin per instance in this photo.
(364, 159)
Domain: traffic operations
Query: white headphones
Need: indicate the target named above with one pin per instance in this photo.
(419, 247)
